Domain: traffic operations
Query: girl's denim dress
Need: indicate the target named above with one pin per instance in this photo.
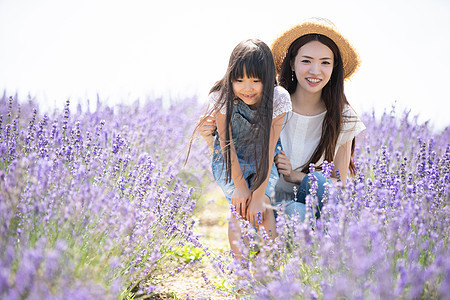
(241, 122)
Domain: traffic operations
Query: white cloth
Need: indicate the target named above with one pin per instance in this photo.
(301, 135)
(281, 101)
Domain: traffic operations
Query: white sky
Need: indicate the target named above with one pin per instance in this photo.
(124, 50)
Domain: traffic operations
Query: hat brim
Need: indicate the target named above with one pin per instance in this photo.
(280, 46)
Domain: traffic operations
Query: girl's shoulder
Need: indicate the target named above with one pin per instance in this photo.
(214, 101)
(281, 101)
(281, 93)
(213, 97)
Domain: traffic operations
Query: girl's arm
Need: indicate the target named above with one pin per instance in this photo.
(242, 194)
(258, 196)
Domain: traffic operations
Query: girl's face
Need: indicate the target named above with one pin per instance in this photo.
(313, 66)
(248, 89)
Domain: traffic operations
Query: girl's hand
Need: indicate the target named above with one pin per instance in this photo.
(240, 198)
(208, 126)
(256, 211)
(206, 129)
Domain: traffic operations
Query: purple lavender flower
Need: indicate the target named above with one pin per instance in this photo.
(111, 200)
(259, 217)
(58, 183)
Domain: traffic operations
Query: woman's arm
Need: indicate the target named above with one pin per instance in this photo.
(242, 194)
(342, 161)
(257, 203)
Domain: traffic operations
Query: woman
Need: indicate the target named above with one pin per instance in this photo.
(312, 61)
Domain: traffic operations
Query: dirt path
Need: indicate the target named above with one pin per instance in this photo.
(212, 215)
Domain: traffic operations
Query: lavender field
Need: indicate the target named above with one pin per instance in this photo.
(98, 205)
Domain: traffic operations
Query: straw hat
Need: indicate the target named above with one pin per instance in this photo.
(280, 46)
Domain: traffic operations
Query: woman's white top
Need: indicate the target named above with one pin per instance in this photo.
(281, 101)
(301, 135)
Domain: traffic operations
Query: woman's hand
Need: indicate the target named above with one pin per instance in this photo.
(284, 167)
(240, 199)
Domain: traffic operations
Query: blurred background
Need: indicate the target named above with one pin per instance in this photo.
(54, 50)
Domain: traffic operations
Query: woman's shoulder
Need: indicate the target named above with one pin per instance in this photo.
(350, 117)
(349, 112)
(352, 125)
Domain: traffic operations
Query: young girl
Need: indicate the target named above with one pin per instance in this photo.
(313, 59)
(249, 110)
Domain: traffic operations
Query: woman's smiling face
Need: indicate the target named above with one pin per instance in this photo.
(313, 66)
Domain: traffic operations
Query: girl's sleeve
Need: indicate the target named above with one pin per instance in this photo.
(281, 101)
(213, 100)
(351, 126)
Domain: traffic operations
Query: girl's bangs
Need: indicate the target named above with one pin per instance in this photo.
(250, 65)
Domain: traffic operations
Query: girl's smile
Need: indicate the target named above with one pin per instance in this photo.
(249, 90)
